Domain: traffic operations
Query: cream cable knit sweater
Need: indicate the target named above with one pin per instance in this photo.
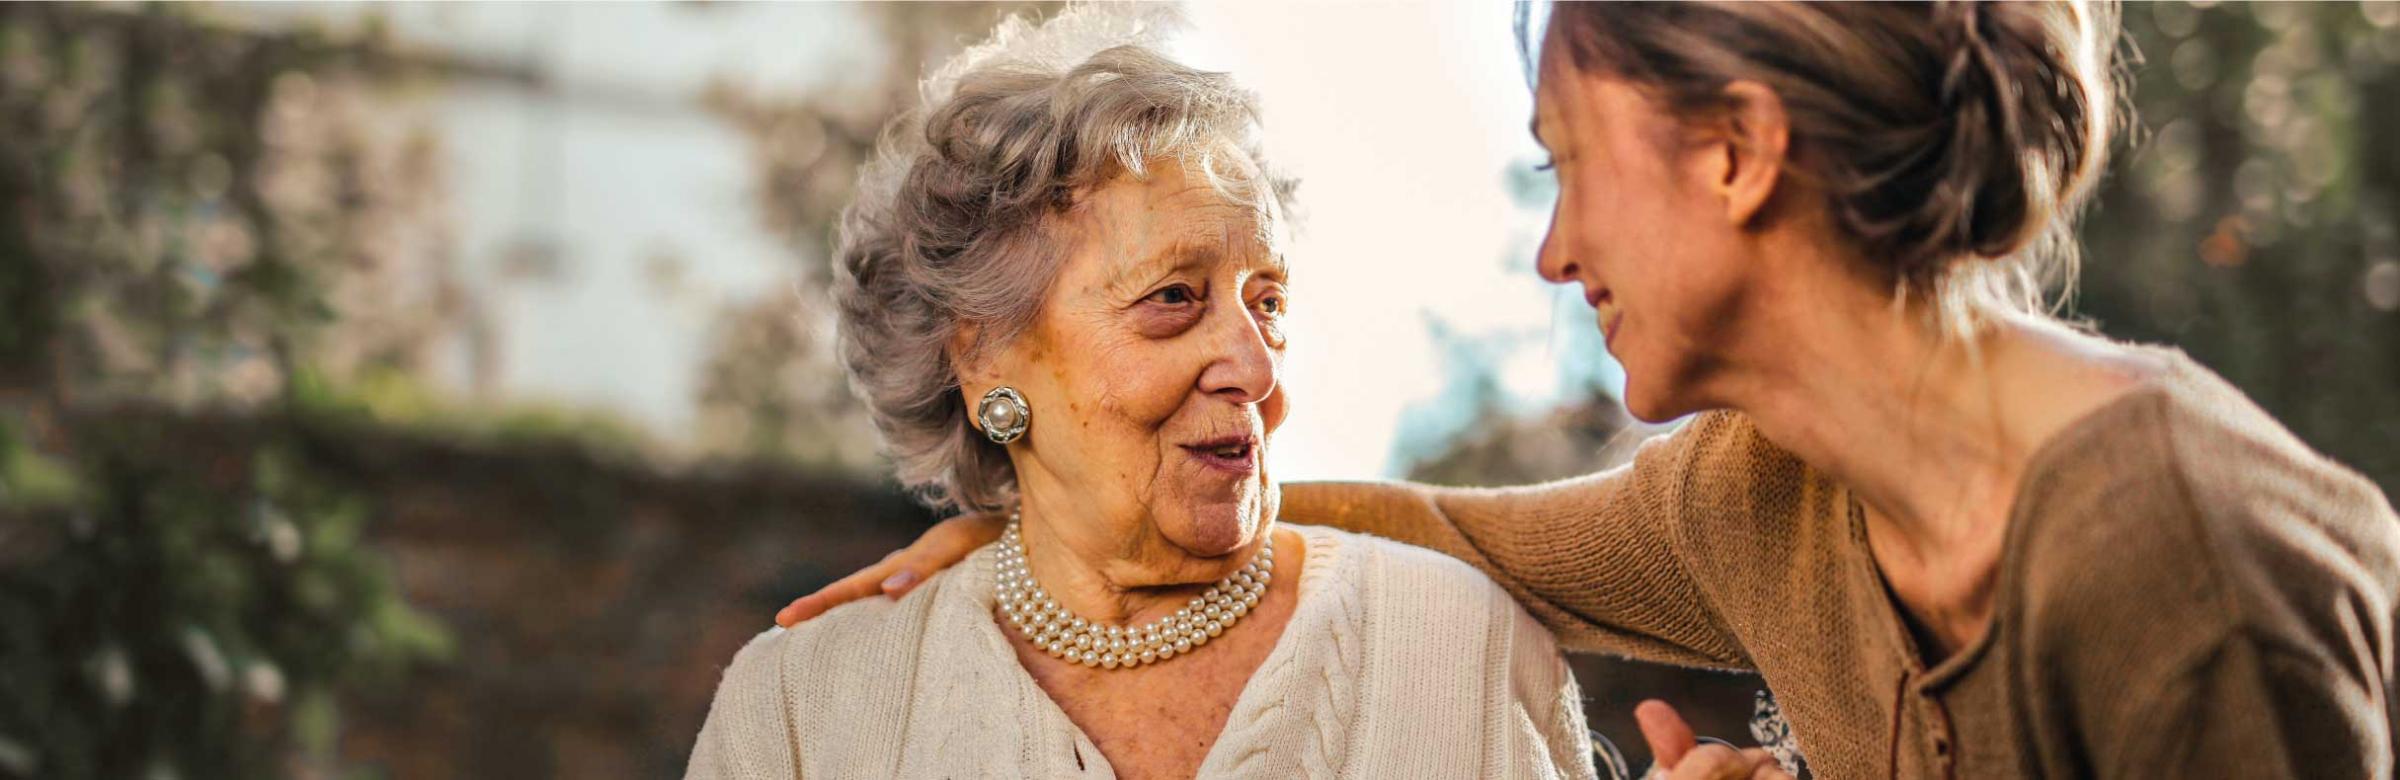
(1398, 662)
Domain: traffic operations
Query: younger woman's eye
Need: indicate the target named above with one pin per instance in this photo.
(1547, 165)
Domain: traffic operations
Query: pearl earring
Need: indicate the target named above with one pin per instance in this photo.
(1004, 414)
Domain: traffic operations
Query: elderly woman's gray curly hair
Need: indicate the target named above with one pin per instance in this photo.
(955, 218)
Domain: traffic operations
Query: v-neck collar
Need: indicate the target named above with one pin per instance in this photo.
(2039, 469)
(969, 603)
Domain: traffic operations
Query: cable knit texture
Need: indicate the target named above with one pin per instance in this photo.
(2186, 590)
(1398, 662)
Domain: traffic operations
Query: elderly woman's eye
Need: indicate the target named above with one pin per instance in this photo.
(1272, 305)
(1173, 296)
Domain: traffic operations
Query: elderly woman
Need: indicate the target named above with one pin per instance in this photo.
(1061, 298)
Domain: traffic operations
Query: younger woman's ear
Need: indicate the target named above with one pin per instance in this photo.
(1754, 135)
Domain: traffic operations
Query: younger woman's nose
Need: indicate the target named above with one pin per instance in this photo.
(1552, 261)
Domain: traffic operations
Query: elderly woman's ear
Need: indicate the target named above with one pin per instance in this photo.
(947, 542)
(973, 365)
(994, 408)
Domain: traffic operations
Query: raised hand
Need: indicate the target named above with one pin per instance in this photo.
(1681, 756)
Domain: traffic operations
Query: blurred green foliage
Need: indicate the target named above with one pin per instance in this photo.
(224, 276)
(191, 209)
(193, 619)
(2255, 222)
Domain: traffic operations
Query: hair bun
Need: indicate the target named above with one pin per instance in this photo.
(2020, 130)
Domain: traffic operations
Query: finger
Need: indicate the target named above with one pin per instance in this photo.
(901, 582)
(1711, 762)
(1669, 738)
(1758, 764)
(860, 584)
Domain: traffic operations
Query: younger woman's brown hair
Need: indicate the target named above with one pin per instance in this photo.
(1955, 142)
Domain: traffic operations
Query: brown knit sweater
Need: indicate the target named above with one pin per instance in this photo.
(2186, 591)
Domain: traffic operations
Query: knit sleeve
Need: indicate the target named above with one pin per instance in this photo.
(1593, 558)
(747, 735)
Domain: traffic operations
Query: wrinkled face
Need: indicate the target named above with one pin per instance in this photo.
(1152, 373)
(1639, 230)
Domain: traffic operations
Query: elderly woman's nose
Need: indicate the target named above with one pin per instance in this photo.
(1243, 367)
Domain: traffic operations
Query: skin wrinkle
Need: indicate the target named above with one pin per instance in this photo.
(1082, 331)
(1121, 523)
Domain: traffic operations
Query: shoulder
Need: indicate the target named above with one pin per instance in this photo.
(836, 689)
(2182, 550)
(2244, 470)
(1436, 600)
(1361, 559)
(1425, 592)
(2289, 531)
(2184, 499)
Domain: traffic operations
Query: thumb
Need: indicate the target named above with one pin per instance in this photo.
(1666, 732)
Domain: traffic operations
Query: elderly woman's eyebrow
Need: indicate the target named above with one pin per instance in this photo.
(1174, 257)
(1188, 252)
(1281, 267)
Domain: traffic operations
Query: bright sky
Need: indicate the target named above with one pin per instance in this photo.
(1401, 120)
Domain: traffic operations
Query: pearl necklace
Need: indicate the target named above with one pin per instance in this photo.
(1065, 635)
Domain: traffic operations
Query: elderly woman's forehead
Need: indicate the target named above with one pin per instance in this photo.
(1133, 251)
(1163, 210)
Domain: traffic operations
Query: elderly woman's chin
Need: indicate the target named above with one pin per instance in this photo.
(1210, 516)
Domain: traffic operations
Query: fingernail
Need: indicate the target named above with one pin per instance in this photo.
(898, 582)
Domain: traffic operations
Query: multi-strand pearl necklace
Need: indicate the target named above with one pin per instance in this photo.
(1065, 635)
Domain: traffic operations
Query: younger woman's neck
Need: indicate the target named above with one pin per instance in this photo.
(1933, 433)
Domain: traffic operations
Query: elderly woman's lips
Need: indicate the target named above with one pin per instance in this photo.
(1240, 458)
